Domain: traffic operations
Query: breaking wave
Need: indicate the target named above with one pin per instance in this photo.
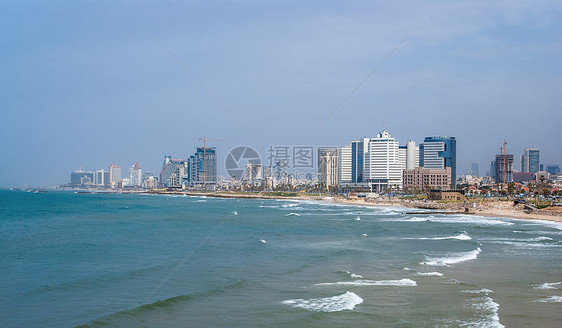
(346, 301)
(395, 283)
(551, 299)
(548, 285)
(453, 258)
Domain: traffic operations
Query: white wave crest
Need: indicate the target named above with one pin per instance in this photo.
(353, 275)
(462, 236)
(293, 214)
(548, 285)
(263, 241)
(464, 219)
(346, 301)
(453, 259)
(488, 312)
(235, 212)
(395, 283)
(415, 219)
(430, 274)
(478, 291)
(551, 299)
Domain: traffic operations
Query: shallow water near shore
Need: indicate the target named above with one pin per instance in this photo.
(110, 260)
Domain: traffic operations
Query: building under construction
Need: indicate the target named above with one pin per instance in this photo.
(503, 166)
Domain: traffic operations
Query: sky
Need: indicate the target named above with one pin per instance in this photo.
(89, 83)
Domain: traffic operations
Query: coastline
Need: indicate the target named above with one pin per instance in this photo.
(495, 208)
(489, 209)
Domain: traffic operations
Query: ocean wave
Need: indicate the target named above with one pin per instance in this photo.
(164, 304)
(551, 299)
(415, 219)
(395, 283)
(293, 214)
(548, 285)
(430, 274)
(464, 219)
(263, 241)
(477, 291)
(488, 313)
(453, 258)
(353, 275)
(346, 301)
(462, 236)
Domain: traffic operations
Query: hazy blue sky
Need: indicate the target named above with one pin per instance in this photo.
(85, 84)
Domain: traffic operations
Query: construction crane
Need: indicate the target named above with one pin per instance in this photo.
(204, 159)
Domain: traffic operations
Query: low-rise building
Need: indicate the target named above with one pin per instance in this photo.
(452, 194)
(420, 179)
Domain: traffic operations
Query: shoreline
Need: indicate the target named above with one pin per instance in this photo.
(494, 208)
(503, 209)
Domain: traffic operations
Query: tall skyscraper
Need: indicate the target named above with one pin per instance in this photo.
(409, 155)
(114, 175)
(503, 166)
(530, 160)
(135, 175)
(328, 167)
(475, 170)
(357, 160)
(438, 153)
(344, 165)
(202, 167)
(381, 162)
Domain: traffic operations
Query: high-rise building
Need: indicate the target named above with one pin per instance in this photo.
(174, 172)
(475, 170)
(382, 168)
(530, 160)
(114, 175)
(135, 175)
(357, 160)
(553, 169)
(344, 165)
(409, 155)
(503, 166)
(438, 153)
(81, 178)
(101, 178)
(328, 171)
(202, 167)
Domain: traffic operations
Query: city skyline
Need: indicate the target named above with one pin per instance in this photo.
(101, 88)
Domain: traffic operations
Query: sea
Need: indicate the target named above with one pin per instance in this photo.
(72, 259)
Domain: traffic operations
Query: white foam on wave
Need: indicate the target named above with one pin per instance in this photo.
(201, 200)
(293, 214)
(415, 219)
(353, 275)
(473, 219)
(430, 274)
(364, 235)
(462, 236)
(393, 283)
(235, 213)
(477, 291)
(548, 285)
(263, 241)
(346, 301)
(357, 219)
(453, 258)
(551, 299)
(486, 308)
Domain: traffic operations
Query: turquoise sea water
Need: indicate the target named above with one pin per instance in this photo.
(111, 260)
